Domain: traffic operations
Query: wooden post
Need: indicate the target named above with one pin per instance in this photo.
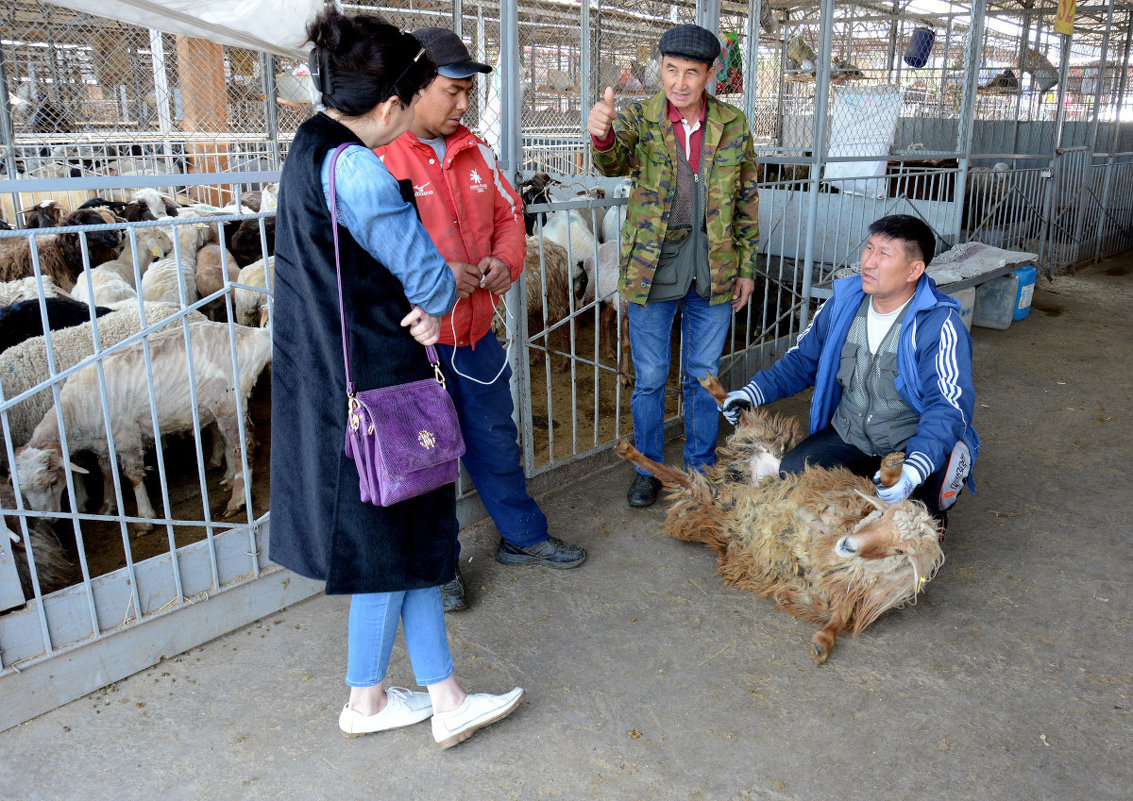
(200, 66)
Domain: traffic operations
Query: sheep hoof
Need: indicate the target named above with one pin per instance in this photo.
(141, 529)
(234, 509)
(819, 653)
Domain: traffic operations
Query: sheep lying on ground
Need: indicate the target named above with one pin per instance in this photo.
(40, 465)
(60, 255)
(820, 543)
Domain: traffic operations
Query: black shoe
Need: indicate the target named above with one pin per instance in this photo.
(452, 594)
(551, 552)
(643, 491)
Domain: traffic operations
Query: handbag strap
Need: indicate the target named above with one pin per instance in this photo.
(431, 351)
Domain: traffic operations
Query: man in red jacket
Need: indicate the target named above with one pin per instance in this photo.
(474, 217)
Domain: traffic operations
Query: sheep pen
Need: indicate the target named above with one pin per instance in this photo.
(819, 543)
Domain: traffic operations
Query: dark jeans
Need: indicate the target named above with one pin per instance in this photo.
(826, 449)
(493, 459)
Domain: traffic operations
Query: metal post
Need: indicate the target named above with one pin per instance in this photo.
(751, 58)
(161, 94)
(708, 16)
(1103, 57)
(891, 56)
(972, 58)
(1023, 46)
(1053, 177)
(1107, 188)
(6, 132)
(818, 151)
(585, 84)
(271, 109)
(458, 17)
(511, 142)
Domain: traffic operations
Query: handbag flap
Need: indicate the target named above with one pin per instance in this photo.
(415, 424)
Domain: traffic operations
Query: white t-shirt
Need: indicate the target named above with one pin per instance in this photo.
(438, 146)
(878, 324)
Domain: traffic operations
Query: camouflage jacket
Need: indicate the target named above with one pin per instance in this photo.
(645, 148)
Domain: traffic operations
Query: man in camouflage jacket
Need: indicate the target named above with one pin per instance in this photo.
(689, 240)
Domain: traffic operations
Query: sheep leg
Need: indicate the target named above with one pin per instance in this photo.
(134, 468)
(712, 384)
(823, 640)
(226, 423)
(109, 505)
(564, 339)
(625, 367)
(669, 476)
(606, 324)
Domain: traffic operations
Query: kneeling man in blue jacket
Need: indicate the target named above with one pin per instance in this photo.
(891, 366)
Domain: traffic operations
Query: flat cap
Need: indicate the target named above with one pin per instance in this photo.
(692, 42)
(449, 53)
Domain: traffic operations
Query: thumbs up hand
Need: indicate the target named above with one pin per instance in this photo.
(602, 116)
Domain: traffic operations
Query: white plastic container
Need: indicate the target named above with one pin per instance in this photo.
(967, 298)
(995, 302)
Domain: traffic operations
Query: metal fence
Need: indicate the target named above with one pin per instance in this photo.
(97, 108)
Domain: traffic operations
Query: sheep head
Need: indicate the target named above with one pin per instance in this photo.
(41, 475)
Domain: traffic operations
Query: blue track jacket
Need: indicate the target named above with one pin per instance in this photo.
(934, 370)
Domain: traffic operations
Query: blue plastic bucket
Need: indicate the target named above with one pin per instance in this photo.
(1027, 277)
(920, 45)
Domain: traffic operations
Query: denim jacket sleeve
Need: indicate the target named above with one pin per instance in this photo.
(370, 206)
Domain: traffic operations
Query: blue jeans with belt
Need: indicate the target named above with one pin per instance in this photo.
(704, 329)
(492, 457)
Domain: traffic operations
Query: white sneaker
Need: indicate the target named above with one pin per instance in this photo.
(477, 711)
(403, 708)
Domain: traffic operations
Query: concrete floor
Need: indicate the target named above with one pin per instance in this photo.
(647, 678)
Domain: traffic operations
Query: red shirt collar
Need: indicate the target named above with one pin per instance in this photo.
(675, 115)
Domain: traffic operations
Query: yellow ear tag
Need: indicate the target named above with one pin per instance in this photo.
(157, 254)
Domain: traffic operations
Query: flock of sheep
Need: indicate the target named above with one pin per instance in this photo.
(173, 274)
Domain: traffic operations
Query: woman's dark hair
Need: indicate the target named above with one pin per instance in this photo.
(359, 61)
(918, 239)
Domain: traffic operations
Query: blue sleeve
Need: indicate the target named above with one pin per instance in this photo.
(944, 377)
(370, 206)
(796, 369)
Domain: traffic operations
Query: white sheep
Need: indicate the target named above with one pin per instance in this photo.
(24, 366)
(39, 464)
(615, 217)
(251, 305)
(602, 284)
(165, 278)
(569, 230)
(153, 244)
(28, 289)
(107, 285)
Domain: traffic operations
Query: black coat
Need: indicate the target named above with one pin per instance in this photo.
(319, 526)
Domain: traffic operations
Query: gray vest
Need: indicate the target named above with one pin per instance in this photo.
(872, 415)
(684, 253)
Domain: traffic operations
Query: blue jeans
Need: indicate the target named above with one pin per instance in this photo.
(373, 626)
(492, 456)
(704, 329)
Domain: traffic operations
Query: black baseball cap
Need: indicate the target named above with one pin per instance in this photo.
(448, 53)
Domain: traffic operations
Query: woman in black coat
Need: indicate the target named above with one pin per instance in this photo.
(391, 560)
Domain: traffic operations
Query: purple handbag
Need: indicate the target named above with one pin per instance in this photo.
(405, 440)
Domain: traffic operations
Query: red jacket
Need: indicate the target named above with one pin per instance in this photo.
(469, 209)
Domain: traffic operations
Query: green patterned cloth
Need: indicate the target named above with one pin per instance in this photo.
(645, 149)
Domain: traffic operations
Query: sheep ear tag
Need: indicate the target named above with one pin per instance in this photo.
(76, 469)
